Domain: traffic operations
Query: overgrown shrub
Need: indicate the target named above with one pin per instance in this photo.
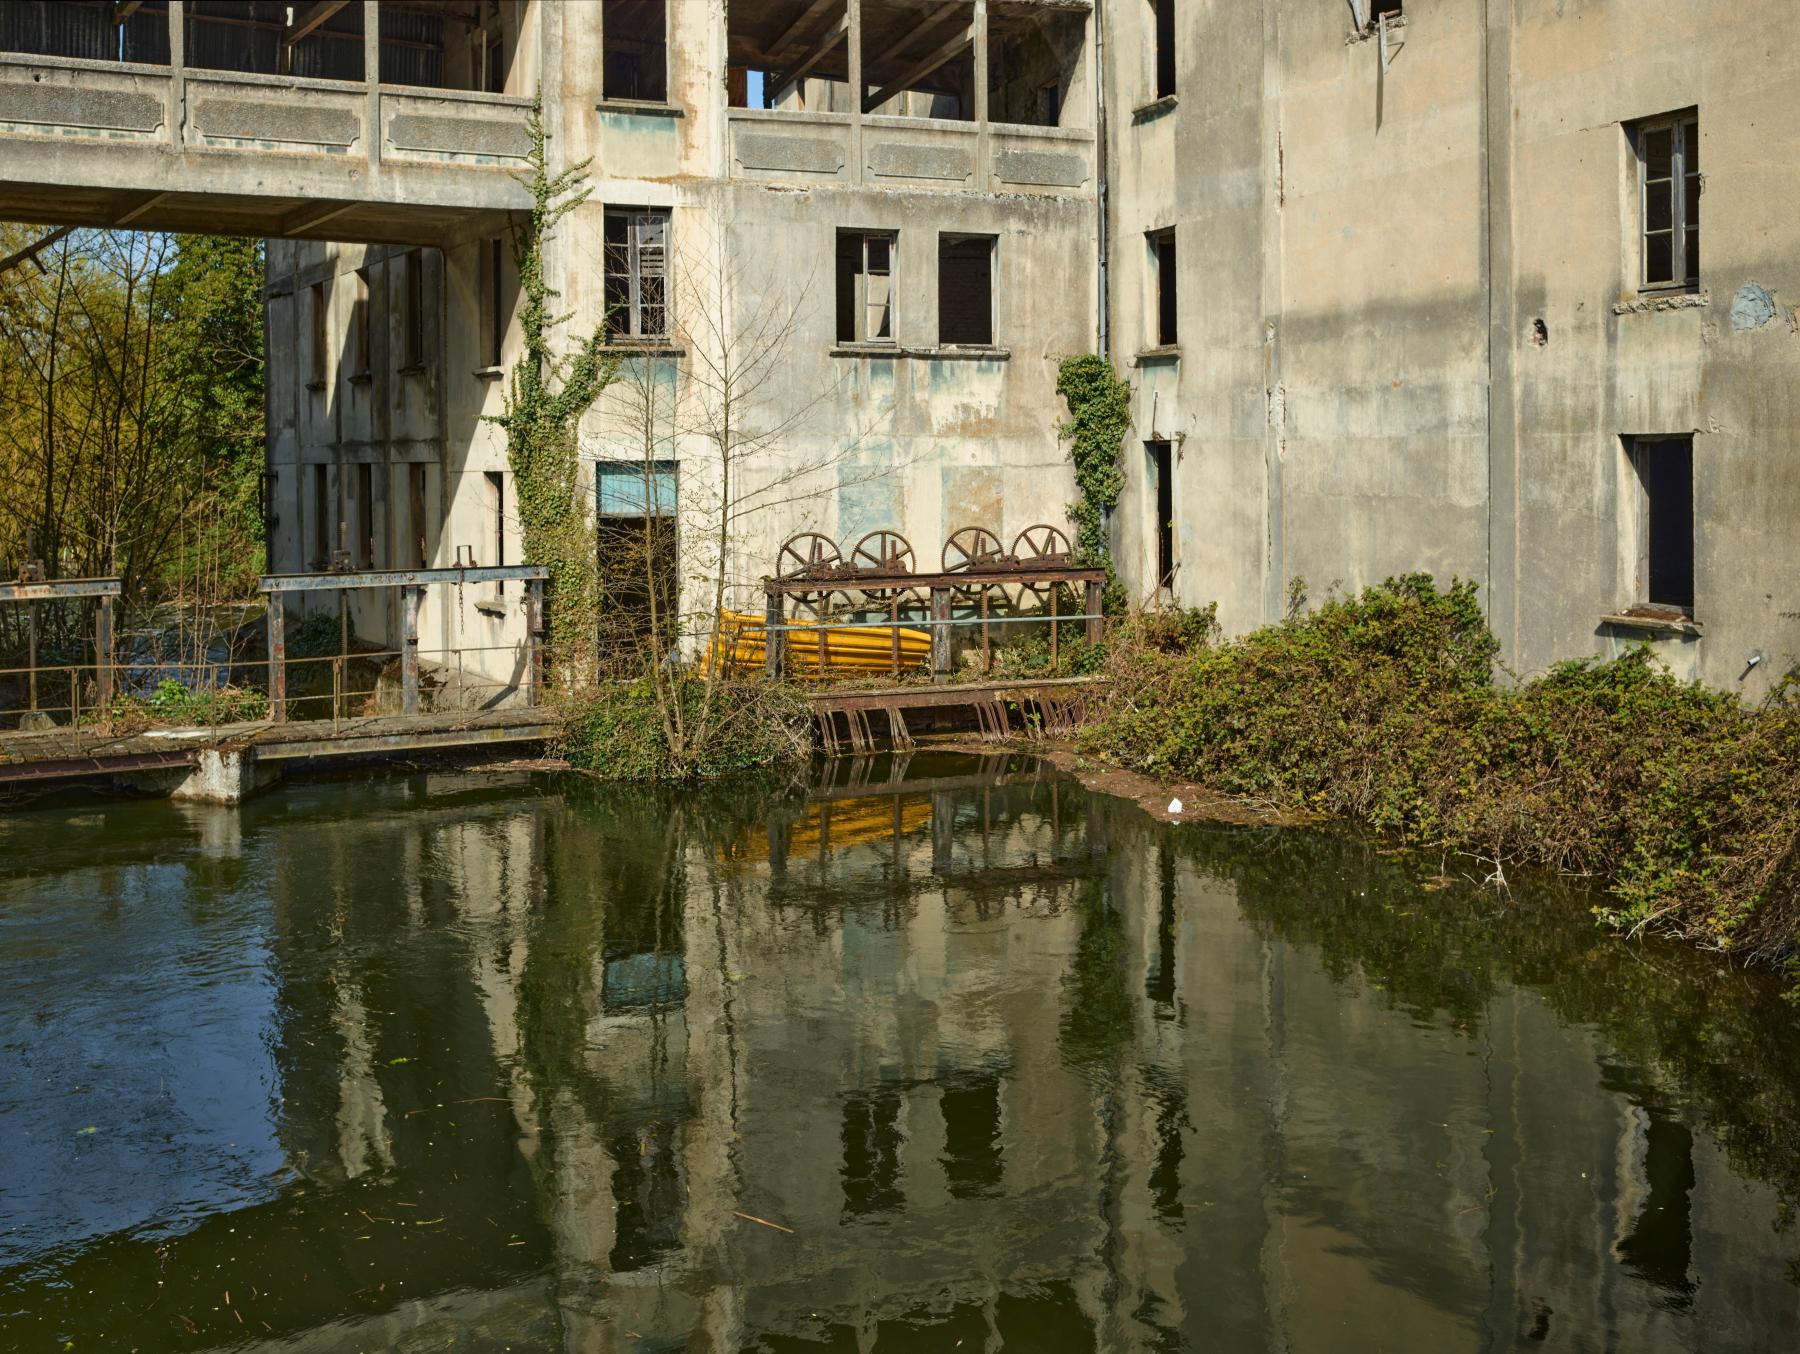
(616, 731)
(1382, 708)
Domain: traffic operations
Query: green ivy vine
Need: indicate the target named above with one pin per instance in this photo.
(546, 396)
(1099, 413)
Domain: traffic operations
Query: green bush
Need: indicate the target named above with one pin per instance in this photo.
(617, 731)
(1382, 708)
(174, 703)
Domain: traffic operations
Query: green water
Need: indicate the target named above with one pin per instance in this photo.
(946, 1055)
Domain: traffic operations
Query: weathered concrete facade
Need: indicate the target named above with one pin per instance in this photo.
(1412, 330)
(1380, 273)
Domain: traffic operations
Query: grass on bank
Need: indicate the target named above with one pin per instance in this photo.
(1383, 708)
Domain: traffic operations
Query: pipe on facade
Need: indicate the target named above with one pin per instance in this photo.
(1100, 185)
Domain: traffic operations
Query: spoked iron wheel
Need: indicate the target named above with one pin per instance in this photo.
(970, 549)
(807, 556)
(882, 552)
(1044, 545)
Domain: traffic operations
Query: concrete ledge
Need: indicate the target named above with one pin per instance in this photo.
(224, 776)
(1656, 625)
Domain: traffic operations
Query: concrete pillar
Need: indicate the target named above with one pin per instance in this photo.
(372, 79)
(940, 634)
(775, 638)
(982, 166)
(177, 73)
(410, 598)
(856, 91)
(534, 640)
(224, 776)
(277, 657)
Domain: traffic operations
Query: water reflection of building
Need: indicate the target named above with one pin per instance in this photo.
(999, 1060)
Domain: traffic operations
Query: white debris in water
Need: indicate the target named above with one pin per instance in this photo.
(1174, 806)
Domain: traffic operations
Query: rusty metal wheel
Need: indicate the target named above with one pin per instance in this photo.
(807, 555)
(1045, 545)
(884, 551)
(972, 548)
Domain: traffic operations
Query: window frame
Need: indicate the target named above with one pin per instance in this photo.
(955, 237)
(1165, 278)
(859, 301)
(634, 275)
(606, 93)
(1639, 450)
(1678, 124)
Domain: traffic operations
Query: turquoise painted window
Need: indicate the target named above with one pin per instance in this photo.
(636, 489)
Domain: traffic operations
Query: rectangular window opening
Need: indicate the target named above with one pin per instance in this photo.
(496, 503)
(1163, 483)
(635, 61)
(793, 56)
(1164, 21)
(1665, 522)
(365, 516)
(319, 365)
(637, 273)
(321, 518)
(493, 300)
(416, 547)
(1669, 184)
(966, 290)
(1162, 267)
(918, 60)
(1035, 62)
(415, 308)
(637, 539)
(865, 288)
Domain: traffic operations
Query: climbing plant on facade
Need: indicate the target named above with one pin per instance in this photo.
(547, 395)
(1099, 413)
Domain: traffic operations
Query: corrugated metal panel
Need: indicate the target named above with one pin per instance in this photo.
(57, 28)
(146, 36)
(412, 65)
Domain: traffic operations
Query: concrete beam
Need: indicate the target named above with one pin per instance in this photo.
(124, 9)
(800, 25)
(920, 69)
(820, 50)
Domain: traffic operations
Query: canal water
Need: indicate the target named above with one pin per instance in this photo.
(946, 1054)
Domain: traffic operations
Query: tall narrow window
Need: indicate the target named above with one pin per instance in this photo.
(865, 287)
(496, 504)
(415, 308)
(365, 516)
(321, 518)
(493, 294)
(638, 555)
(636, 62)
(416, 548)
(1664, 526)
(1163, 483)
(1162, 270)
(1164, 46)
(966, 289)
(1669, 186)
(494, 61)
(318, 364)
(637, 268)
(361, 328)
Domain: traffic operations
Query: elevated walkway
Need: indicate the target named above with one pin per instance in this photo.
(168, 146)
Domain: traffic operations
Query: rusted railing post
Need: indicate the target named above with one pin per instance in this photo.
(103, 656)
(774, 637)
(410, 598)
(940, 634)
(534, 640)
(277, 658)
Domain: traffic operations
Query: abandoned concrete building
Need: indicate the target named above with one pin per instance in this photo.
(1396, 284)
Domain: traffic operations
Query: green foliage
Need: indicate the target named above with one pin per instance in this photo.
(1381, 708)
(1099, 413)
(547, 396)
(618, 731)
(173, 702)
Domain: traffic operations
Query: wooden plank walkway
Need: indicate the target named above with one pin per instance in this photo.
(62, 754)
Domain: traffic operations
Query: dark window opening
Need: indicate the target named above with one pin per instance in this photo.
(1669, 188)
(361, 328)
(415, 308)
(1162, 475)
(637, 267)
(1665, 471)
(1162, 255)
(638, 543)
(635, 64)
(319, 364)
(494, 64)
(493, 301)
(496, 496)
(865, 287)
(321, 518)
(416, 546)
(966, 290)
(365, 516)
(1165, 47)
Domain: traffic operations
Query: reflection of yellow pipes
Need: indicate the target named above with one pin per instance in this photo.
(741, 644)
(854, 822)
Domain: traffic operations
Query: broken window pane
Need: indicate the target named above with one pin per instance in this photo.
(1659, 259)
